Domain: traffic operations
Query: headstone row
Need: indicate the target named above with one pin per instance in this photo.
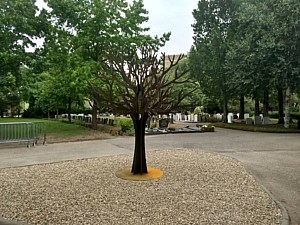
(256, 120)
(190, 117)
(81, 118)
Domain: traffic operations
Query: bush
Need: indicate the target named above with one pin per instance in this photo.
(212, 119)
(273, 115)
(197, 110)
(33, 112)
(295, 115)
(125, 124)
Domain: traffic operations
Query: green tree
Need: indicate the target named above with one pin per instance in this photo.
(287, 36)
(266, 47)
(63, 86)
(18, 28)
(82, 31)
(207, 56)
(252, 46)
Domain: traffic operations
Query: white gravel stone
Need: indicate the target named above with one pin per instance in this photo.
(196, 188)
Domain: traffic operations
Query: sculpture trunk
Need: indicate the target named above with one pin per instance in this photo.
(139, 165)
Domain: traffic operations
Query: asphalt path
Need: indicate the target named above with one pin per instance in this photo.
(273, 159)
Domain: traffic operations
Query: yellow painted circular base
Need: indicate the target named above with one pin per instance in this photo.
(126, 174)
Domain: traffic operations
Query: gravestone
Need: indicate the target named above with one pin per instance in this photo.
(229, 117)
(196, 118)
(148, 122)
(266, 120)
(249, 121)
(192, 117)
(111, 122)
(163, 123)
(171, 116)
(219, 116)
(246, 115)
(178, 116)
(257, 120)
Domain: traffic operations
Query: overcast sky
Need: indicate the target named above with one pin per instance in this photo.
(173, 16)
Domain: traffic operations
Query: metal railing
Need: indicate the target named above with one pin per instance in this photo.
(29, 132)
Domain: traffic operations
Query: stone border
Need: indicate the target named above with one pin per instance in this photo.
(285, 215)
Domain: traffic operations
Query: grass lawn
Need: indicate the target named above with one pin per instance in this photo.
(58, 131)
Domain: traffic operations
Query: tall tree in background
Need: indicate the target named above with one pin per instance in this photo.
(266, 47)
(287, 36)
(207, 56)
(82, 31)
(18, 28)
(251, 46)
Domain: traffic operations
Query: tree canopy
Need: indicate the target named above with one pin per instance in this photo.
(18, 29)
(247, 48)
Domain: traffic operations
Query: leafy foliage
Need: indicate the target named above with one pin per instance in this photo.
(17, 30)
(213, 21)
(246, 48)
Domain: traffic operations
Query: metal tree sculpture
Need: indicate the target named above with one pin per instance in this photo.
(140, 84)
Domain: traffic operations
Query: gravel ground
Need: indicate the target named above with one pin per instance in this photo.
(196, 188)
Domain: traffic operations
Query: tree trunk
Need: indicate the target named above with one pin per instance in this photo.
(242, 107)
(256, 107)
(94, 115)
(287, 107)
(139, 165)
(69, 110)
(225, 111)
(280, 106)
(266, 103)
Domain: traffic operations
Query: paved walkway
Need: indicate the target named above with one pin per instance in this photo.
(274, 159)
